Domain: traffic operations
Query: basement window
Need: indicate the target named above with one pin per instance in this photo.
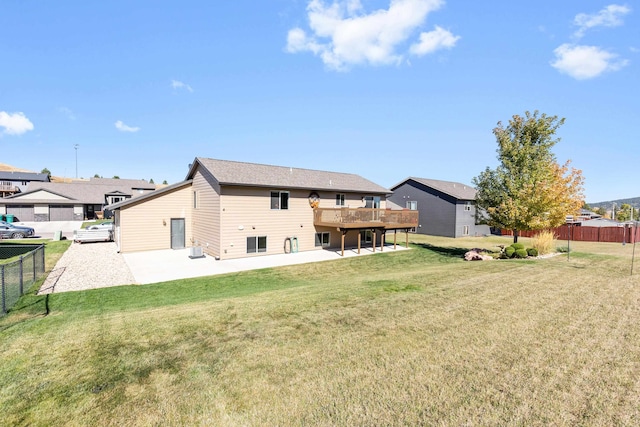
(322, 239)
(256, 244)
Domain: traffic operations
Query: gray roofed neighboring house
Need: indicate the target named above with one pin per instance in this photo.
(95, 190)
(23, 176)
(446, 208)
(76, 200)
(600, 222)
(252, 174)
(453, 189)
(12, 182)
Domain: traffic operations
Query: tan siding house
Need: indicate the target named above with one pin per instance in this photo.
(146, 223)
(236, 210)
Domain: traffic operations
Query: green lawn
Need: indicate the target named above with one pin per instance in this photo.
(414, 337)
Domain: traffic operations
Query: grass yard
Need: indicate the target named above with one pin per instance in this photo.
(414, 337)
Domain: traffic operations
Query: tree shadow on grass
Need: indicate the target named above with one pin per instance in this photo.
(445, 251)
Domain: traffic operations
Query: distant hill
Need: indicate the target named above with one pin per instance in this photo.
(8, 168)
(634, 201)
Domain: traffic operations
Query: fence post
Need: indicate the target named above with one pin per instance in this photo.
(21, 272)
(4, 297)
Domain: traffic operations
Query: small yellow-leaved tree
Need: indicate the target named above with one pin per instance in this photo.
(529, 190)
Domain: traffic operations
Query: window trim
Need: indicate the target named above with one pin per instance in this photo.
(280, 199)
(467, 206)
(465, 230)
(320, 239)
(257, 240)
(412, 202)
(340, 199)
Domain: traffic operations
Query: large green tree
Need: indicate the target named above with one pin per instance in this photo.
(528, 190)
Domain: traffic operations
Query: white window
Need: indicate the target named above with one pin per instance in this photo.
(372, 202)
(279, 200)
(465, 230)
(467, 206)
(412, 205)
(256, 244)
(339, 199)
(322, 239)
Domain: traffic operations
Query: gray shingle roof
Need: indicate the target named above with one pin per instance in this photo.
(147, 196)
(454, 189)
(23, 176)
(88, 192)
(258, 175)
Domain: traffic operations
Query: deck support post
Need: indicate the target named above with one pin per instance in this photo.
(343, 234)
(374, 240)
(395, 238)
(383, 236)
(406, 233)
(359, 237)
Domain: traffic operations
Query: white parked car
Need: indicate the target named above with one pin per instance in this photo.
(107, 225)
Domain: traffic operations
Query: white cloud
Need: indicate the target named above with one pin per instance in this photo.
(610, 16)
(124, 128)
(343, 35)
(585, 62)
(176, 84)
(15, 123)
(434, 40)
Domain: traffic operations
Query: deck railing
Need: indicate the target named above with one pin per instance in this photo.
(364, 218)
(8, 187)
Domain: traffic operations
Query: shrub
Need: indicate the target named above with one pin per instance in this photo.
(563, 249)
(543, 242)
(532, 252)
(509, 251)
(521, 253)
(517, 246)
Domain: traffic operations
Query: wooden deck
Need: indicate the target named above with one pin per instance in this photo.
(360, 219)
(8, 188)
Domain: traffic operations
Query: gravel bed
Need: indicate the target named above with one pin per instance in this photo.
(88, 266)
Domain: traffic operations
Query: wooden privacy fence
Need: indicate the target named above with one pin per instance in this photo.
(626, 234)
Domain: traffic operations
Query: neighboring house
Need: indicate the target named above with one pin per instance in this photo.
(585, 215)
(445, 208)
(16, 182)
(77, 200)
(234, 210)
(600, 222)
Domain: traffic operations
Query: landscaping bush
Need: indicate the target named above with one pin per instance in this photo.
(521, 253)
(563, 249)
(517, 246)
(509, 251)
(532, 252)
(544, 242)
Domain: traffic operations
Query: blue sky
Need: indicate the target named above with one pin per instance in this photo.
(383, 89)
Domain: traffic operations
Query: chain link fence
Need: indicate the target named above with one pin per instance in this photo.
(17, 275)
